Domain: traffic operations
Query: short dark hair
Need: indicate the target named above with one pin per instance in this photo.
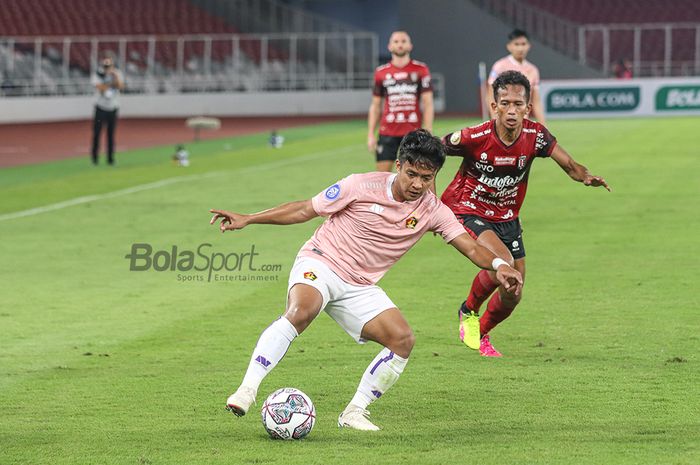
(512, 78)
(422, 149)
(516, 34)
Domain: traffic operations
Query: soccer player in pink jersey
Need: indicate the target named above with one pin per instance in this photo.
(518, 46)
(405, 86)
(488, 190)
(373, 219)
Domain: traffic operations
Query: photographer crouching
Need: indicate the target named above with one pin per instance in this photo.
(108, 81)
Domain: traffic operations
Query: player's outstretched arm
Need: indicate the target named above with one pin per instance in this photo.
(288, 213)
(509, 277)
(576, 171)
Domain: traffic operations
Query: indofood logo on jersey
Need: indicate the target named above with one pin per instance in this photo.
(603, 99)
(402, 89)
(674, 98)
(501, 182)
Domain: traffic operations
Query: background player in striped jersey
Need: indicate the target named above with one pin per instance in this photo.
(488, 190)
(405, 86)
(518, 45)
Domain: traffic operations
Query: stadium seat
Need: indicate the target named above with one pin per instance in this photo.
(631, 12)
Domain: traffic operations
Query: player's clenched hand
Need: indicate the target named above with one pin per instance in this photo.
(371, 143)
(596, 181)
(229, 221)
(510, 279)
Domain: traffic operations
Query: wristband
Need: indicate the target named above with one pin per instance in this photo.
(498, 262)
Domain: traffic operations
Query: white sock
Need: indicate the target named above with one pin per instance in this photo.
(271, 347)
(379, 376)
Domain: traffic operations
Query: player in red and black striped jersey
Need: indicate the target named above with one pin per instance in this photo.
(405, 85)
(488, 190)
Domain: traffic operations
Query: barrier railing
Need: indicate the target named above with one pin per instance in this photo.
(162, 64)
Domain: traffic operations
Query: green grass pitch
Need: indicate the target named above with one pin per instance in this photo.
(102, 365)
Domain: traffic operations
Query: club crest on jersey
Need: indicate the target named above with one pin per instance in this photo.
(456, 137)
(333, 192)
(411, 222)
(522, 161)
(310, 275)
(484, 155)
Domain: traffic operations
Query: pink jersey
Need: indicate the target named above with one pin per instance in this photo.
(511, 64)
(367, 231)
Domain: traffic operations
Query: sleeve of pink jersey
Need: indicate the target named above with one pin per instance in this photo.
(335, 197)
(495, 71)
(535, 77)
(445, 223)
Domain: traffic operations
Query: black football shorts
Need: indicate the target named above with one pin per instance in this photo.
(388, 148)
(509, 232)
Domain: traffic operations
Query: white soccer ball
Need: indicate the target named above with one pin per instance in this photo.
(288, 413)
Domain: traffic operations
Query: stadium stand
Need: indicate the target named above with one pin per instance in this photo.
(632, 12)
(21, 18)
(162, 46)
(621, 11)
(662, 38)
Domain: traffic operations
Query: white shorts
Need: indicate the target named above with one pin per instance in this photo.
(349, 305)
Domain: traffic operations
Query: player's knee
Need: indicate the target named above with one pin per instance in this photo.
(404, 342)
(511, 300)
(300, 317)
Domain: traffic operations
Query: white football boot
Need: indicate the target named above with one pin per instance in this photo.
(356, 418)
(240, 401)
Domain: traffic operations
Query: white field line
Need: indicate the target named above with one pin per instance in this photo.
(167, 182)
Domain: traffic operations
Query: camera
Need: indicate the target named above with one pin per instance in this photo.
(103, 68)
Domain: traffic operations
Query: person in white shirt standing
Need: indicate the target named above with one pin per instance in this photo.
(108, 81)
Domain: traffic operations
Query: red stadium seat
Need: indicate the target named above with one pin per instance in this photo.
(621, 11)
(23, 18)
(629, 13)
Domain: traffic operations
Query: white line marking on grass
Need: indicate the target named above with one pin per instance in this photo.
(108, 195)
(167, 182)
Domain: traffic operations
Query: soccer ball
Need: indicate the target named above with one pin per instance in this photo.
(288, 413)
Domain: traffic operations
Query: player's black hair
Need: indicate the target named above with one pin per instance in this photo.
(513, 78)
(422, 149)
(516, 34)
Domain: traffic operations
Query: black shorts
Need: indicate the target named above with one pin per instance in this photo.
(509, 232)
(388, 147)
